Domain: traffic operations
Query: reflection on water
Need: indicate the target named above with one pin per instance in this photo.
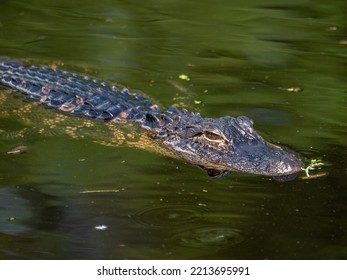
(14, 210)
(140, 205)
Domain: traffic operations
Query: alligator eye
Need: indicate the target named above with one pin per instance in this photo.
(214, 137)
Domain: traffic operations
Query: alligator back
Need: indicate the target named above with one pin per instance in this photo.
(75, 94)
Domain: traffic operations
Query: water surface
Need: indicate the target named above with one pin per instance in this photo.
(74, 199)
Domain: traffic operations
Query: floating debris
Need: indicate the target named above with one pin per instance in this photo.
(292, 89)
(315, 176)
(184, 77)
(100, 191)
(18, 150)
(314, 164)
(197, 102)
(295, 89)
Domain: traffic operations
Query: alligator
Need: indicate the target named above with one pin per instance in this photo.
(218, 145)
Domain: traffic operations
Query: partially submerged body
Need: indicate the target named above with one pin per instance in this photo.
(218, 145)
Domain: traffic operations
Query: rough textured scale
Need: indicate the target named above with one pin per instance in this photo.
(218, 145)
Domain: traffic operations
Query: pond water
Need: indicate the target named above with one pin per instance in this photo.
(75, 199)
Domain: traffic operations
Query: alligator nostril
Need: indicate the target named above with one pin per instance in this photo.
(290, 165)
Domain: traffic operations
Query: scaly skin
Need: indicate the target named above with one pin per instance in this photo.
(218, 145)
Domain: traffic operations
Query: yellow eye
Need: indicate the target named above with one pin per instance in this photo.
(211, 136)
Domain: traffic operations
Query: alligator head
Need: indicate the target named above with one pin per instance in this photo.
(228, 144)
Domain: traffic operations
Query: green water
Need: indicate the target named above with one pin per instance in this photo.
(240, 56)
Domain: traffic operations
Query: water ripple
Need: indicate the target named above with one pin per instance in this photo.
(170, 215)
(209, 236)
